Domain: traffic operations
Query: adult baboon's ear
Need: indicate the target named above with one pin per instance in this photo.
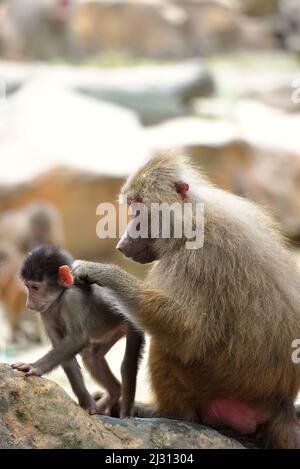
(182, 188)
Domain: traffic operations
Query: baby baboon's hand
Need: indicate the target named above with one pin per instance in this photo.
(28, 369)
(89, 405)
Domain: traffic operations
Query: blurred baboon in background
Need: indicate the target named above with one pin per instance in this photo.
(21, 23)
(44, 225)
(288, 24)
(37, 223)
(12, 293)
(21, 231)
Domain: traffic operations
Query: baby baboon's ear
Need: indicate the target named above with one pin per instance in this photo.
(65, 276)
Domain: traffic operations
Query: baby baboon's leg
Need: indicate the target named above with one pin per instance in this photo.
(93, 357)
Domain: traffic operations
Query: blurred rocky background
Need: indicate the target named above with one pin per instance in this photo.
(91, 88)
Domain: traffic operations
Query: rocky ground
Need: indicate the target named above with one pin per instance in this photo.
(36, 413)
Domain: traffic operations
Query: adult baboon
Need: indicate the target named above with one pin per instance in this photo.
(222, 318)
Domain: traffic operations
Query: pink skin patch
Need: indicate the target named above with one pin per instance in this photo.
(234, 414)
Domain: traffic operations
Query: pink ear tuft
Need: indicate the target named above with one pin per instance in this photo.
(182, 188)
(65, 275)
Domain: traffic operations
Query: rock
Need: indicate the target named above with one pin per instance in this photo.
(78, 132)
(212, 26)
(255, 72)
(153, 93)
(36, 413)
(169, 30)
(278, 96)
(148, 28)
(267, 127)
(219, 26)
(256, 34)
(153, 29)
(168, 434)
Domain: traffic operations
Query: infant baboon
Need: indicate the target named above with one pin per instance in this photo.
(80, 318)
